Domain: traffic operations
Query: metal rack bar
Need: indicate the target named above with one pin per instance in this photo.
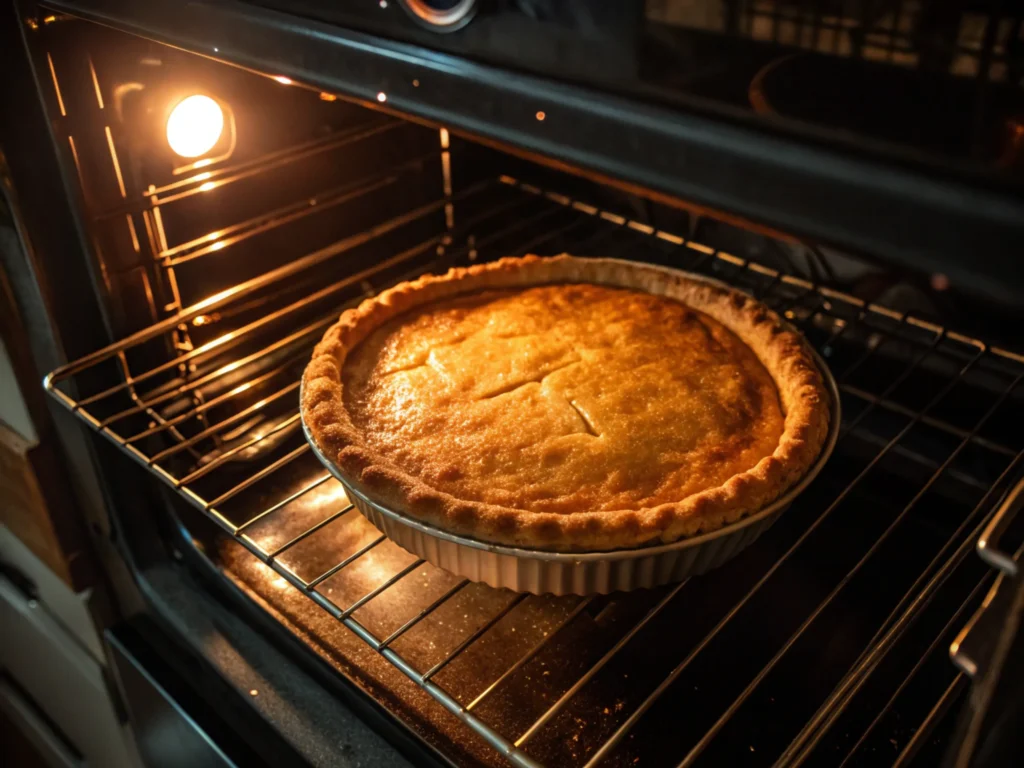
(156, 417)
(944, 426)
(347, 561)
(493, 211)
(559, 705)
(474, 636)
(309, 531)
(229, 454)
(537, 648)
(266, 222)
(234, 365)
(873, 349)
(526, 247)
(919, 458)
(931, 719)
(380, 588)
(910, 368)
(284, 502)
(451, 592)
(255, 478)
(227, 422)
(521, 224)
(841, 327)
(344, 136)
(208, 404)
(209, 180)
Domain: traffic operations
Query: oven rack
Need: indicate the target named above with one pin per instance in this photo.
(225, 174)
(548, 222)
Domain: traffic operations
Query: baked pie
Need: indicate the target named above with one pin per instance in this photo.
(566, 404)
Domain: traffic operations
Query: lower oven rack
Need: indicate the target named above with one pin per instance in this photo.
(547, 222)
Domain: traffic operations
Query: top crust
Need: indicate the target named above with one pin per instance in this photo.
(374, 470)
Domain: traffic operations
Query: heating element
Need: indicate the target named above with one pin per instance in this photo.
(824, 642)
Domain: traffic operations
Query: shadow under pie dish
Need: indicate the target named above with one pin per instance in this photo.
(566, 405)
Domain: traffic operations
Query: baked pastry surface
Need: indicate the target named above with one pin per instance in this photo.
(567, 404)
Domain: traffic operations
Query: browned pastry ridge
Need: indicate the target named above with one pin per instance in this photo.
(566, 404)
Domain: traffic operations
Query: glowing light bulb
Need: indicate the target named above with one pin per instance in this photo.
(195, 126)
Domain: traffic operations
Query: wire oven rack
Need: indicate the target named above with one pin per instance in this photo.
(902, 379)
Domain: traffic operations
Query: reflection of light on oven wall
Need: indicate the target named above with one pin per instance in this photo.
(195, 126)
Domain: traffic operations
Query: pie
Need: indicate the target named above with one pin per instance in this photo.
(566, 404)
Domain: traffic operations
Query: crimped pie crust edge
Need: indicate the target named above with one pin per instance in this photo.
(783, 352)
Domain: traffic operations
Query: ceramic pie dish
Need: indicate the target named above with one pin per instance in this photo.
(566, 424)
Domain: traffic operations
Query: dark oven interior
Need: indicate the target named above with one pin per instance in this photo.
(824, 642)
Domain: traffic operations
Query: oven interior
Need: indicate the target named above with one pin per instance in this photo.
(825, 642)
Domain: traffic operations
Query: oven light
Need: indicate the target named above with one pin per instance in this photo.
(284, 80)
(195, 126)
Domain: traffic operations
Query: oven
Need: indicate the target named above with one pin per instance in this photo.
(201, 187)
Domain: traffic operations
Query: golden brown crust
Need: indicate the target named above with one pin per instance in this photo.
(782, 351)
